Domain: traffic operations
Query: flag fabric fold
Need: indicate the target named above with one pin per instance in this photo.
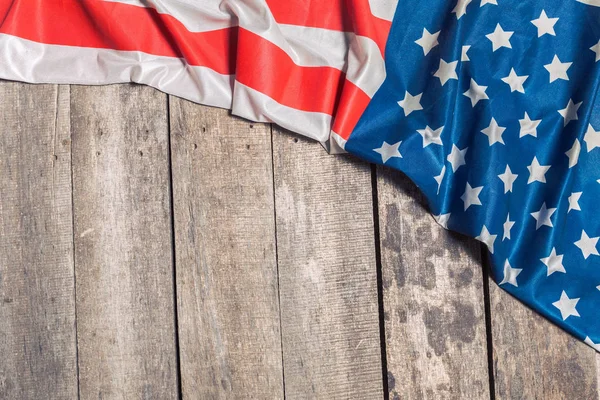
(312, 70)
(490, 106)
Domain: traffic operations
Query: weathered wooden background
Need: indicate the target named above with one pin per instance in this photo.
(151, 248)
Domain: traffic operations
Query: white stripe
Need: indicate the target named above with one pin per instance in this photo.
(201, 16)
(595, 3)
(253, 105)
(366, 68)
(358, 56)
(383, 9)
(28, 61)
(306, 46)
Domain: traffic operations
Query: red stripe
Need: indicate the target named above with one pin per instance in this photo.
(261, 65)
(267, 68)
(99, 24)
(353, 102)
(356, 17)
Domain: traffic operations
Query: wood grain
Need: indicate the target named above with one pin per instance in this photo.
(225, 245)
(534, 359)
(327, 273)
(433, 300)
(123, 253)
(38, 353)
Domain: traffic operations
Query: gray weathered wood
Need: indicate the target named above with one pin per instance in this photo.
(534, 359)
(225, 250)
(327, 273)
(123, 258)
(433, 300)
(37, 303)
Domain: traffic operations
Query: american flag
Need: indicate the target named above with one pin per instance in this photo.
(489, 106)
(310, 67)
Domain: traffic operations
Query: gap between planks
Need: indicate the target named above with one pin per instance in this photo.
(507, 327)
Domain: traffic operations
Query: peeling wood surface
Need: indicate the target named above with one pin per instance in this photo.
(37, 294)
(534, 359)
(433, 300)
(151, 248)
(327, 273)
(228, 306)
(123, 261)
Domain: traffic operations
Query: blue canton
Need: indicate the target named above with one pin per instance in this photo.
(491, 107)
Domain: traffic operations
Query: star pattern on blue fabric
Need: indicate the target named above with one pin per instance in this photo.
(498, 117)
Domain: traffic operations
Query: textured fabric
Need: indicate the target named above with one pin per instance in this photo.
(489, 106)
(492, 110)
(270, 61)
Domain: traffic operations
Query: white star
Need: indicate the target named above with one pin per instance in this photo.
(537, 172)
(486, 238)
(431, 136)
(596, 49)
(471, 196)
(499, 38)
(484, 2)
(507, 226)
(515, 81)
(461, 8)
(542, 217)
(428, 41)
(574, 201)
(410, 103)
(595, 346)
(476, 93)
(566, 306)
(388, 151)
(573, 153)
(508, 178)
(591, 138)
(464, 56)
(494, 132)
(557, 69)
(569, 113)
(554, 263)
(446, 71)
(587, 245)
(545, 25)
(528, 126)
(440, 177)
(457, 157)
(510, 274)
(442, 219)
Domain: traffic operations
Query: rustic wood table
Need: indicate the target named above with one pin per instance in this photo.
(151, 248)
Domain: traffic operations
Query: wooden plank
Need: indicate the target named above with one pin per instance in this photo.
(534, 359)
(225, 250)
(123, 253)
(433, 300)
(37, 295)
(327, 273)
